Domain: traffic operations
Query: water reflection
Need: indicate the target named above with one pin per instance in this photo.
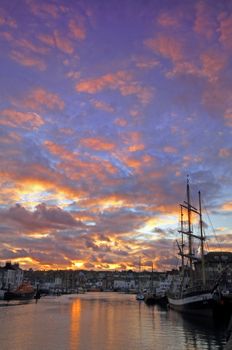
(103, 321)
(75, 324)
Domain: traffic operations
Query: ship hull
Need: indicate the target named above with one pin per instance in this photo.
(200, 304)
(18, 296)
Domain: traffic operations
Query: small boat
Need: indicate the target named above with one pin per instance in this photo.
(140, 296)
(24, 292)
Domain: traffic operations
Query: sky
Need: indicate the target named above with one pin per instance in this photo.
(105, 108)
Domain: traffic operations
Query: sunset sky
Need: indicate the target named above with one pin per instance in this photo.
(105, 107)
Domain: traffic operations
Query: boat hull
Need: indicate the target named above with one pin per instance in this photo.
(18, 296)
(201, 304)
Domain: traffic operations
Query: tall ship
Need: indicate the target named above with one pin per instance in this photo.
(191, 292)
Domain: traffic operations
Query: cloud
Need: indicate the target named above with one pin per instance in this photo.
(40, 97)
(102, 106)
(227, 206)
(24, 120)
(42, 218)
(6, 20)
(166, 19)
(167, 46)
(97, 144)
(228, 116)
(28, 60)
(121, 80)
(58, 41)
(77, 30)
(225, 152)
(205, 24)
(212, 64)
(30, 46)
(121, 122)
(170, 149)
(43, 9)
(225, 30)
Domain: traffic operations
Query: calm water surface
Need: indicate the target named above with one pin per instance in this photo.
(102, 321)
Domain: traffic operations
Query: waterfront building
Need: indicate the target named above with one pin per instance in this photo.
(11, 276)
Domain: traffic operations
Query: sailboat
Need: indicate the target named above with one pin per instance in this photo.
(190, 292)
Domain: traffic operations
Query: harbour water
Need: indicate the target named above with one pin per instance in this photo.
(103, 321)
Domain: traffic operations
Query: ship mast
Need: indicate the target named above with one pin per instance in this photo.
(189, 225)
(202, 241)
(190, 208)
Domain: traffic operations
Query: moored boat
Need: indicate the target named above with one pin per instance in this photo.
(24, 292)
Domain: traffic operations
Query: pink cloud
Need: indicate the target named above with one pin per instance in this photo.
(212, 64)
(170, 149)
(7, 21)
(102, 106)
(166, 19)
(226, 30)
(26, 44)
(120, 122)
(77, 30)
(43, 98)
(204, 22)
(121, 80)
(166, 46)
(27, 60)
(14, 119)
(225, 152)
(41, 9)
(228, 116)
(57, 40)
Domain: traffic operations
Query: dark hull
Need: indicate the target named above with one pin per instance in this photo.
(155, 299)
(199, 304)
(19, 296)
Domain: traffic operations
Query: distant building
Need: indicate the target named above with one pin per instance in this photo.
(217, 265)
(11, 276)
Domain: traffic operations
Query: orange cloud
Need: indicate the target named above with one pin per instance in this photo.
(135, 148)
(121, 80)
(227, 206)
(77, 30)
(27, 60)
(25, 120)
(40, 97)
(111, 80)
(97, 144)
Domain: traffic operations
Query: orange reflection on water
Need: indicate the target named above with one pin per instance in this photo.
(75, 324)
